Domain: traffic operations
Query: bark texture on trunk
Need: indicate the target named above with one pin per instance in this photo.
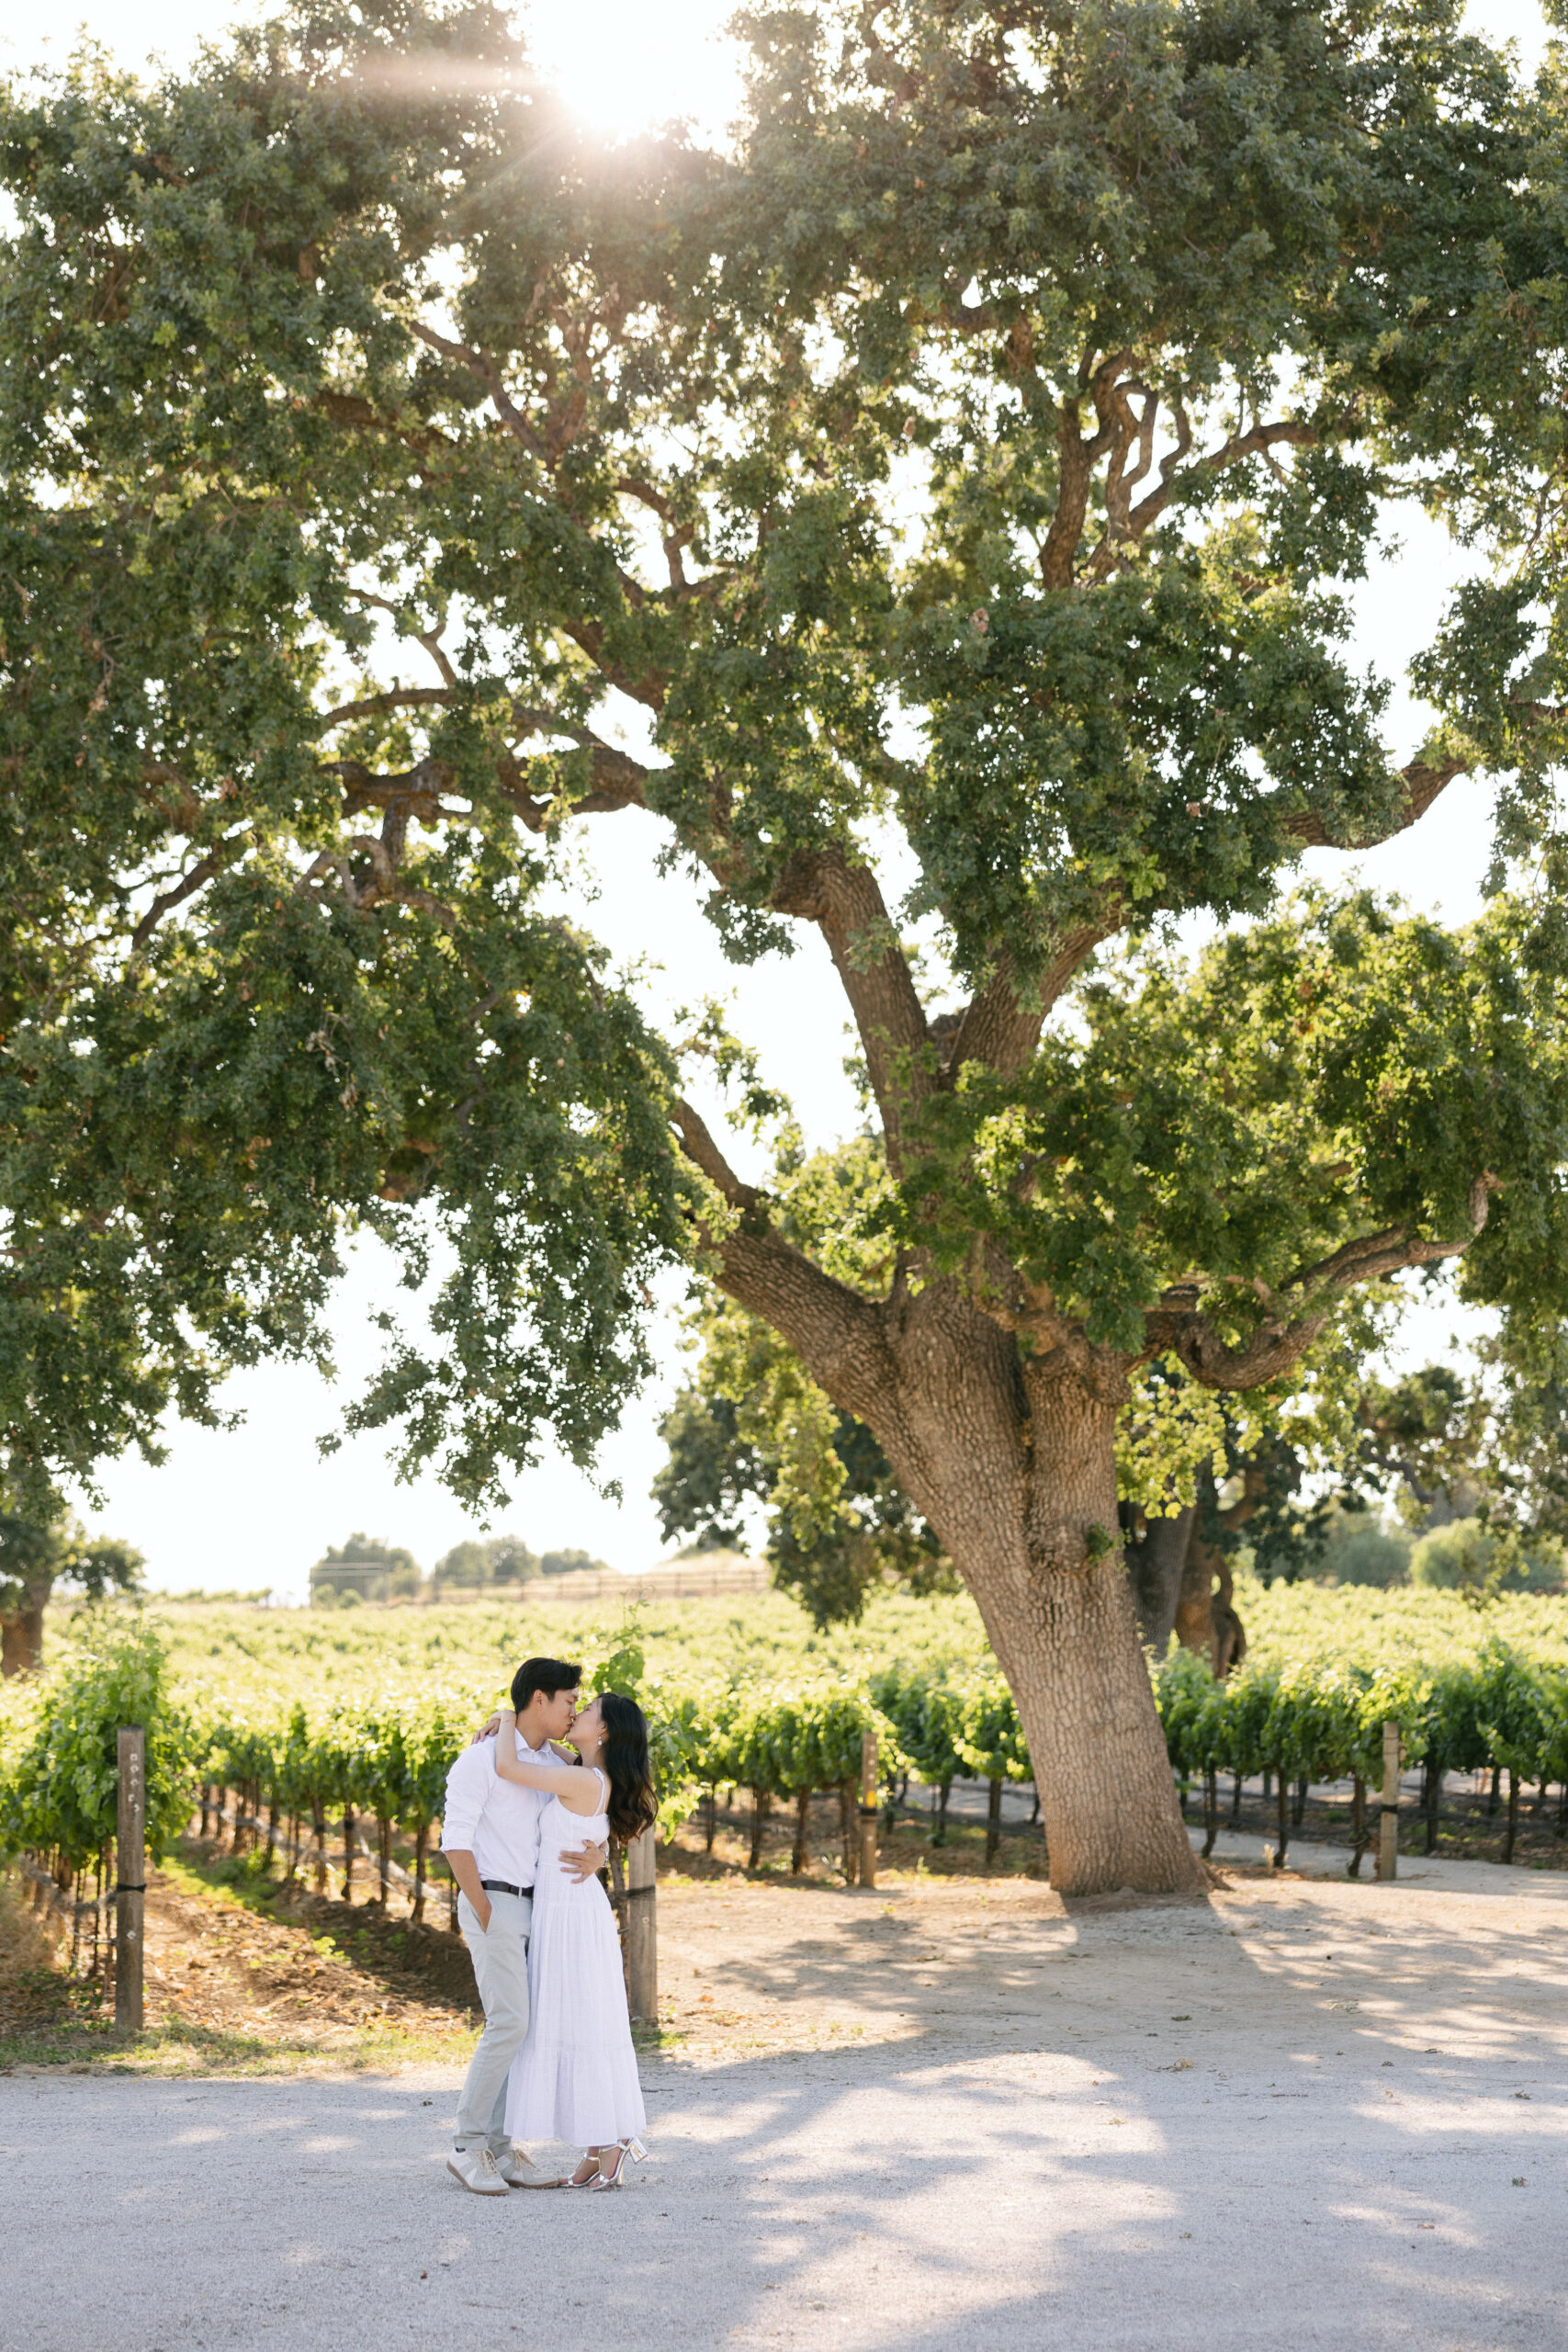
(1155, 1561)
(1018, 1476)
(1064, 1627)
(1010, 1457)
(21, 1641)
(1206, 1621)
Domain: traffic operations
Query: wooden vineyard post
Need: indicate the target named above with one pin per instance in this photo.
(868, 1808)
(1388, 1822)
(848, 1832)
(642, 1929)
(1358, 1825)
(131, 1872)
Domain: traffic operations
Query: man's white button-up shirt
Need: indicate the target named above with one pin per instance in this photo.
(496, 1821)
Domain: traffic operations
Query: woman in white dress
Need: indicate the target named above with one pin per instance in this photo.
(575, 2078)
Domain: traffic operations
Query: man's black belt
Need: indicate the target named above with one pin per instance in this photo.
(499, 1886)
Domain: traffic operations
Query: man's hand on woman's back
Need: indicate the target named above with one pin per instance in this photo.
(587, 1863)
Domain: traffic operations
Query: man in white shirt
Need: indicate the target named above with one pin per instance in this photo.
(489, 1835)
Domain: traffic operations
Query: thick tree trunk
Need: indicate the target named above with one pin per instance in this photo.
(1155, 1563)
(1041, 1557)
(1205, 1621)
(1008, 1454)
(21, 1641)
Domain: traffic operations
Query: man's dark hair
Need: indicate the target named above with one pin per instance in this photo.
(546, 1674)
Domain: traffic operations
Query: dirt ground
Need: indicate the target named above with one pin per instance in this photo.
(238, 1978)
(1454, 1959)
(1304, 2114)
(244, 1976)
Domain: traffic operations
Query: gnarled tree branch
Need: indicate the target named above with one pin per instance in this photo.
(697, 1143)
(397, 698)
(1176, 1324)
(845, 902)
(204, 871)
(998, 1026)
(1423, 783)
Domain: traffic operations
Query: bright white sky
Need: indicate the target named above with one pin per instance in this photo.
(255, 1507)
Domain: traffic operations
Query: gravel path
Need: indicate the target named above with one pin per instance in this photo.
(1307, 2113)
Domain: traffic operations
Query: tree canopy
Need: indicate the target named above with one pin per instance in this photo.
(970, 462)
(351, 350)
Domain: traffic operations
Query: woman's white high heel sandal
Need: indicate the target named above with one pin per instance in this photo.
(624, 2148)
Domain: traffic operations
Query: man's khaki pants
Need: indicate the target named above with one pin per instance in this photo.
(499, 1954)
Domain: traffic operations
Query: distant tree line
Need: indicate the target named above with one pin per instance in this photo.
(366, 1567)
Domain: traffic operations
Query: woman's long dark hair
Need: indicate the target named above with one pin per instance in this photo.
(625, 1761)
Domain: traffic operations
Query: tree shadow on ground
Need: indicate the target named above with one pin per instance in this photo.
(1048, 2152)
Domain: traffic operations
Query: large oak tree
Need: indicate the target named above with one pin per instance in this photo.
(394, 479)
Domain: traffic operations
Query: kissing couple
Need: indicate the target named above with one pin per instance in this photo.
(526, 1832)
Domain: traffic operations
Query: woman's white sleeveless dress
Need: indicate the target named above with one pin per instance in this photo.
(575, 2078)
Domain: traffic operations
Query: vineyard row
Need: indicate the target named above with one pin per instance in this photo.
(383, 1757)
